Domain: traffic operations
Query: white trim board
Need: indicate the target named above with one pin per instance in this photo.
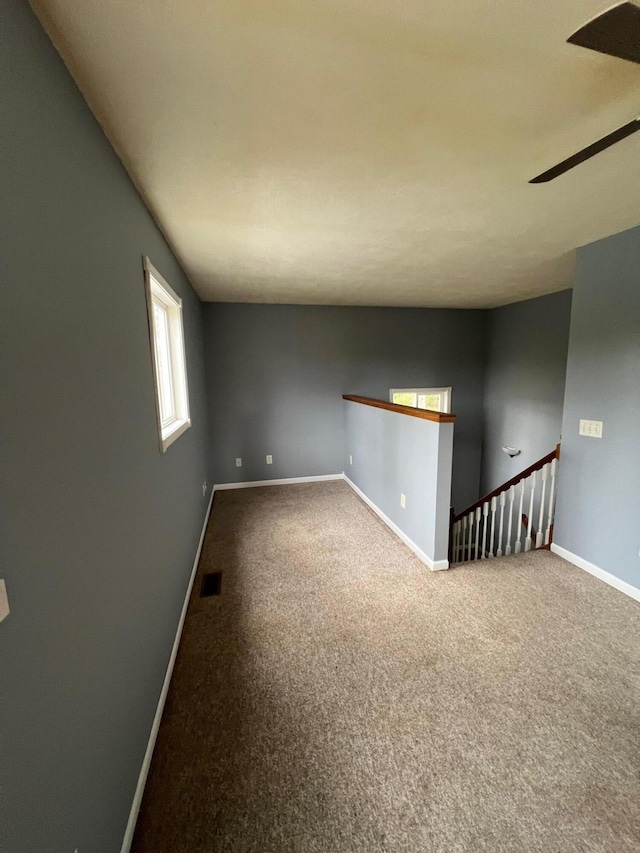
(435, 566)
(287, 481)
(596, 571)
(146, 762)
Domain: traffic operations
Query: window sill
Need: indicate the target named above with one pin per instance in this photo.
(172, 432)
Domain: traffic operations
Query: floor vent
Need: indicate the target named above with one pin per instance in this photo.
(211, 583)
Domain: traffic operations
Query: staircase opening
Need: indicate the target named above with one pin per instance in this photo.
(516, 517)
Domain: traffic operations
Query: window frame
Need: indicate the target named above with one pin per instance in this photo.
(159, 292)
(446, 390)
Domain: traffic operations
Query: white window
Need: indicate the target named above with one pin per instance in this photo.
(437, 399)
(164, 308)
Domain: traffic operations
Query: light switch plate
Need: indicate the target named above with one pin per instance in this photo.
(592, 429)
(4, 601)
(269, 459)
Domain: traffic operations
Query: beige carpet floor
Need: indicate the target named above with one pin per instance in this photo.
(340, 698)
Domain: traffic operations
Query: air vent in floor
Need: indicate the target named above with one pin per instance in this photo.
(211, 584)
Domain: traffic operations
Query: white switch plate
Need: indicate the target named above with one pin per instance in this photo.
(238, 462)
(350, 459)
(402, 501)
(4, 601)
(269, 459)
(204, 488)
(593, 429)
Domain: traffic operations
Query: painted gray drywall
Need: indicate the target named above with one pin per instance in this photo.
(98, 530)
(388, 454)
(598, 509)
(524, 384)
(276, 376)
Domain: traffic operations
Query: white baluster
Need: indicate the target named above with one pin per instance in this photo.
(453, 534)
(456, 540)
(485, 524)
(552, 494)
(519, 519)
(527, 541)
(502, 502)
(463, 535)
(494, 504)
(512, 495)
(478, 517)
(471, 516)
(540, 534)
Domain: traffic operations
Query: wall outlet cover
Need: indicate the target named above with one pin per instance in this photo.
(269, 460)
(238, 462)
(4, 601)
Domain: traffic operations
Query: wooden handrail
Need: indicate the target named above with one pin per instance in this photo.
(555, 454)
(425, 414)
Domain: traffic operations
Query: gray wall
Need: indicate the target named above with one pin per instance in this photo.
(388, 454)
(524, 383)
(598, 511)
(277, 373)
(98, 530)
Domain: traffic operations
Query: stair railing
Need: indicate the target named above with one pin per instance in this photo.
(494, 525)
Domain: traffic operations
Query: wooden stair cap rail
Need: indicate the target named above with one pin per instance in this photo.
(425, 414)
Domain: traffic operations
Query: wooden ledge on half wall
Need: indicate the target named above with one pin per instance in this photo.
(425, 414)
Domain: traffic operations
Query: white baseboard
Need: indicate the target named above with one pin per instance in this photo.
(286, 481)
(435, 566)
(146, 762)
(596, 571)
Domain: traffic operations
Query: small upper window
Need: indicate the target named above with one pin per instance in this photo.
(164, 308)
(436, 399)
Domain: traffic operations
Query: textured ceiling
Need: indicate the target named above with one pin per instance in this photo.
(371, 152)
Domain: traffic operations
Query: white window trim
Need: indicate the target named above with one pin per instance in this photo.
(426, 391)
(156, 288)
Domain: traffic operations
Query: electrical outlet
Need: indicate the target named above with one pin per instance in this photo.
(350, 459)
(204, 488)
(269, 460)
(238, 462)
(4, 601)
(403, 501)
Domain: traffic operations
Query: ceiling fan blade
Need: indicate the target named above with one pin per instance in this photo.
(589, 151)
(615, 32)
